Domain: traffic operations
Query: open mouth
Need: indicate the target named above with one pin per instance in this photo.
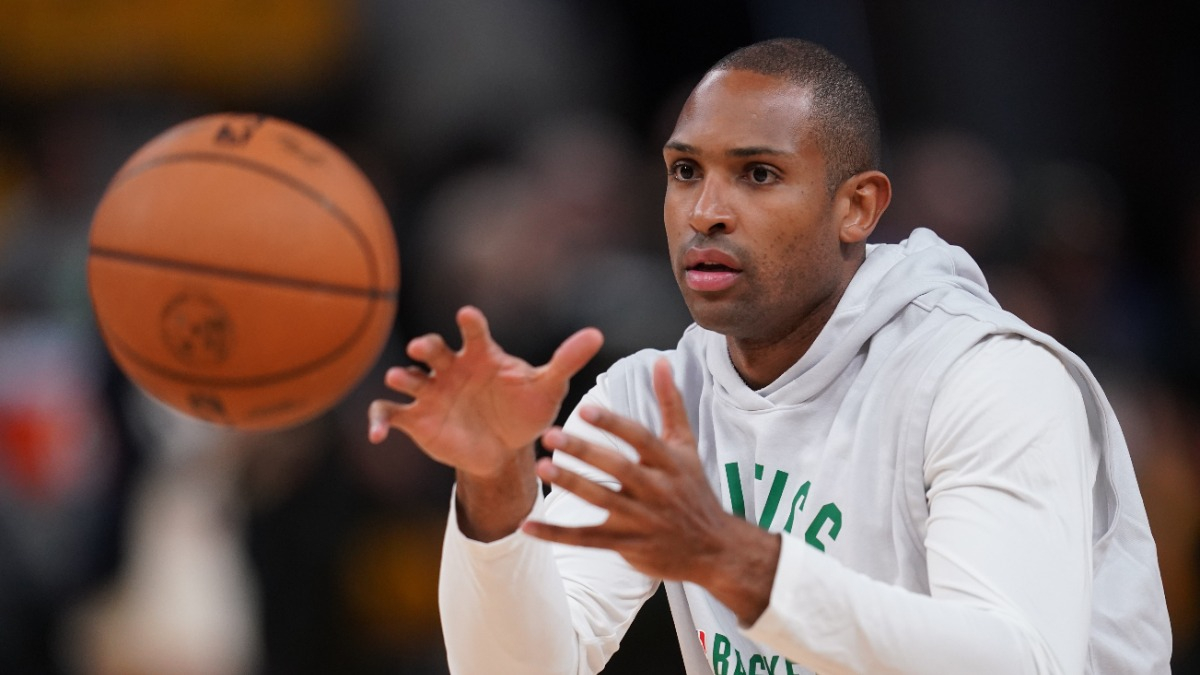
(710, 267)
(709, 276)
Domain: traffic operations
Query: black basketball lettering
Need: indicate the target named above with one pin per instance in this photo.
(239, 132)
(207, 405)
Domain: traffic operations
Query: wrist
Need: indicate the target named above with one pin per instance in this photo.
(743, 574)
(493, 505)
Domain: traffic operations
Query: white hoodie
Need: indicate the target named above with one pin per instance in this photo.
(952, 486)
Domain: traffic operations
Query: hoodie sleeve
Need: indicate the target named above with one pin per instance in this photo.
(1009, 467)
(522, 605)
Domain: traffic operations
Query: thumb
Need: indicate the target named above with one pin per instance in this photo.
(574, 353)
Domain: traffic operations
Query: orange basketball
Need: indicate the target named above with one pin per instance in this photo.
(243, 270)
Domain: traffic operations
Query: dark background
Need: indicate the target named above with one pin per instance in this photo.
(516, 144)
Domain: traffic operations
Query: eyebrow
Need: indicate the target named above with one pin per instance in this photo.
(751, 151)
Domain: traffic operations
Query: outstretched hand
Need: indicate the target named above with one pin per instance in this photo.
(476, 406)
(665, 519)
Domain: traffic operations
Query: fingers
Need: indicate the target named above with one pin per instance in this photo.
(610, 462)
(473, 326)
(650, 447)
(570, 357)
(620, 508)
(431, 350)
(676, 427)
(596, 536)
(379, 419)
(574, 353)
(654, 450)
(407, 381)
(585, 489)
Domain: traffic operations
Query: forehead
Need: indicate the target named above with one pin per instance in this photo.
(741, 109)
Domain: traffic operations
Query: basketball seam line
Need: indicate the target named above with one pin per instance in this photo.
(273, 173)
(242, 275)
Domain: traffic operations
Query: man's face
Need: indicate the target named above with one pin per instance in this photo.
(754, 244)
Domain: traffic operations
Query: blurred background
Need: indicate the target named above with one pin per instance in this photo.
(517, 146)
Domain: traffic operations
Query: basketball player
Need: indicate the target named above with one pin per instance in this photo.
(853, 462)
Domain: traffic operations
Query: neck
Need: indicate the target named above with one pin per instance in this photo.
(761, 359)
(761, 362)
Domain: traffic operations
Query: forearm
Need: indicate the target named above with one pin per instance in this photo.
(503, 608)
(521, 605)
(490, 507)
(834, 620)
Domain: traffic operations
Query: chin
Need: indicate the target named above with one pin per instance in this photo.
(712, 316)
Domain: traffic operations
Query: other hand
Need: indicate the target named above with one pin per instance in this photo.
(665, 519)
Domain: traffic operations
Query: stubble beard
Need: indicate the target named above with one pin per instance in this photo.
(754, 320)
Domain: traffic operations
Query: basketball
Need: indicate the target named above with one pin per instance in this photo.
(243, 270)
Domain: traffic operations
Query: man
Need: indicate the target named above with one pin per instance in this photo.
(854, 462)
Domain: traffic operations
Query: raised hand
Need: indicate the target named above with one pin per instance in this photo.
(477, 406)
(665, 519)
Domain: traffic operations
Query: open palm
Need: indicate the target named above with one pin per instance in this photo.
(476, 406)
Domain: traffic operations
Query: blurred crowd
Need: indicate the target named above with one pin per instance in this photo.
(516, 144)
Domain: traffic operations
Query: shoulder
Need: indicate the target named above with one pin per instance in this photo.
(1006, 391)
(1008, 361)
(687, 355)
(1009, 374)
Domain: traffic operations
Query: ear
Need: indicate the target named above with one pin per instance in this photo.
(862, 199)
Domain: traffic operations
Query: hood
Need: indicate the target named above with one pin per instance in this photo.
(892, 277)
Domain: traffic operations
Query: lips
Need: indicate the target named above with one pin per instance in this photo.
(710, 270)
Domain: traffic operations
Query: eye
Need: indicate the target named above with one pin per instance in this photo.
(762, 175)
(683, 171)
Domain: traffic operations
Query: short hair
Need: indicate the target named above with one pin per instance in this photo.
(846, 123)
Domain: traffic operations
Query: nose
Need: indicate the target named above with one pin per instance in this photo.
(711, 212)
